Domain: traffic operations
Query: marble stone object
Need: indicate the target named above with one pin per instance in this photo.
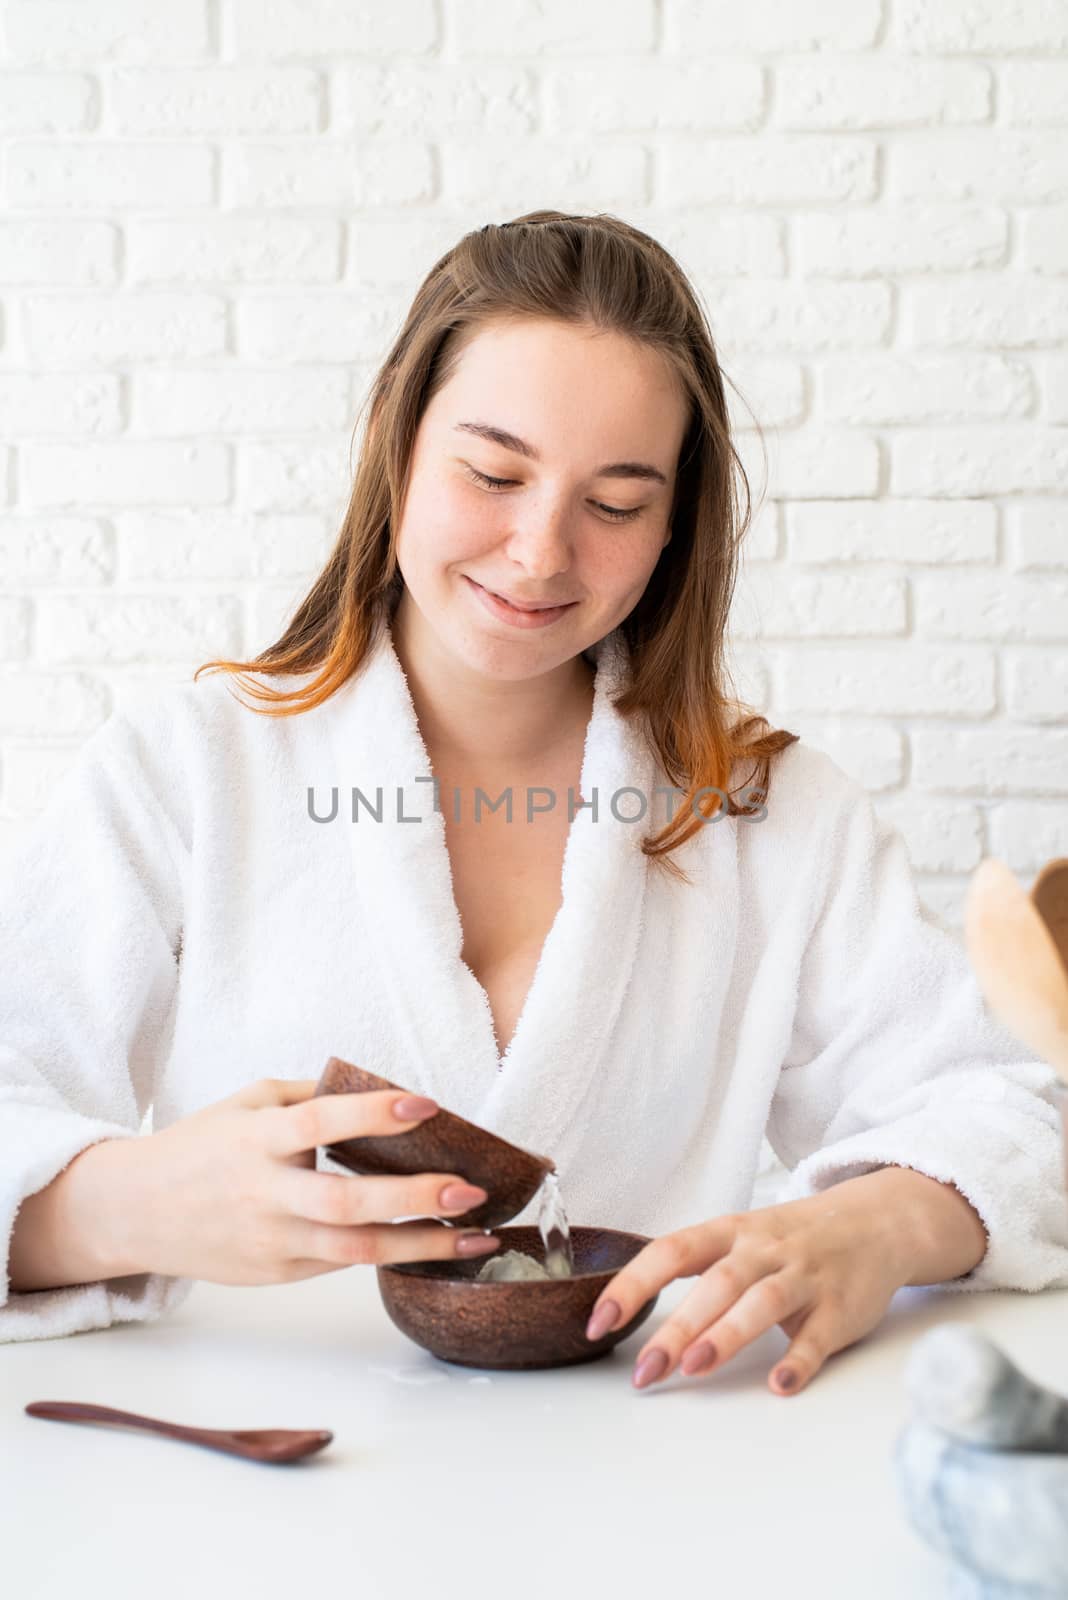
(982, 1468)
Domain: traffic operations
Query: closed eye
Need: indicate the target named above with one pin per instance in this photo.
(616, 513)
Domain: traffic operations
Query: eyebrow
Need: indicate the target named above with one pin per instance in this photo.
(511, 441)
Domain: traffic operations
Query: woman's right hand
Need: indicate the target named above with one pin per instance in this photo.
(230, 1194)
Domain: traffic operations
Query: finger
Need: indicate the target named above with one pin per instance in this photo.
(718, 1289)
(275, 1091)
(820, 1336)
(329, 1118)
(673, 1255)
(355, 1201)
(379, 1244)
(703, 1337)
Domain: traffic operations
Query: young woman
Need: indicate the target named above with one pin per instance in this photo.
(687, 929)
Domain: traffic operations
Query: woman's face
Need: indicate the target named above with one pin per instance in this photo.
(581, 515)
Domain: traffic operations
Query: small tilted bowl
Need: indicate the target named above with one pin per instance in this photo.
(445, 1142)
(442, 1306)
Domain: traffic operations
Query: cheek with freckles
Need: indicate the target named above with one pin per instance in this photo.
(618, 573)
(442, 535)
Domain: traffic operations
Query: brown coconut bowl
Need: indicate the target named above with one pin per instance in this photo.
(445, 1142)
(441, 1305)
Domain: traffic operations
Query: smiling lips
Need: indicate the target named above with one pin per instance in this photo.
(518, 605)
(524, 605)
(518, 615)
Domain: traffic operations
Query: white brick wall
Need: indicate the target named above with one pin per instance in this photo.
(214, 213)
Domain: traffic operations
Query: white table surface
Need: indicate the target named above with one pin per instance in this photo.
(711, 1486)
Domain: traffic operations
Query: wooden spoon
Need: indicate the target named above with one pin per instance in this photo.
(1050, 895)
(255, 1444)
(1017, 963)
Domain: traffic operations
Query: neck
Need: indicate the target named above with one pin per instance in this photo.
(482, 724)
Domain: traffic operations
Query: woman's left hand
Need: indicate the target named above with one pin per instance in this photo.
(824, 1269)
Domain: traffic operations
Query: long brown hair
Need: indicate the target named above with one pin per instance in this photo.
(587, 270)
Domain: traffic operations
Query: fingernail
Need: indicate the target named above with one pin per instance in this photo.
(414, 1107)
(785, 1378)
(697, 1357)
(652, 1366)
(475, 1244)
(460, 1196)
(604, 1318)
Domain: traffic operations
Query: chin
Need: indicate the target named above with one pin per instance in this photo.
(503, 661)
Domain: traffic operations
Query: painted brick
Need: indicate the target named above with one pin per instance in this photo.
(234, 250)
(1038, 536)
(1044, 239)
(721, 244)
(1025, 834)
(1014, 310)
(125, 472)
(622, 96)
(108, 30)
(978, 461)
(1036, 684)
(940, 835)
(336, 326)
(772, 392)
(241, 400)
(312, 476)
(907, 679)
(386, 250)
(766, 169)
(769, 27)
(776, 317)
(913, 531)
(36, 403)
(547, 28)
(881, 93)
(924, 387)
(991, 761)
(197, 546)
(773, 602)
(980, 27)
(1034, 94)
(1053, 382)
(331, 28)
(39, 252)
(95, 177)
(14, 628)
(55, 549)
(904, 238)
(84, 630)
(333, 173)
(498, 181)
(64, 330)
(969, 605)
(1001, 167)
(47, 102)
(223, 100)
(425, 99)
(813, 464)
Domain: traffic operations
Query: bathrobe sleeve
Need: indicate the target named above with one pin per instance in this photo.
(90, 919)
(894, 1061)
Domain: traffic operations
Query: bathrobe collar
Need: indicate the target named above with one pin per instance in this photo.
(443, 1026)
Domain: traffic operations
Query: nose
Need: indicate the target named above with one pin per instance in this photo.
(540, 539)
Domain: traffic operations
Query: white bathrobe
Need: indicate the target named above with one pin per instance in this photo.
(176, 924)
